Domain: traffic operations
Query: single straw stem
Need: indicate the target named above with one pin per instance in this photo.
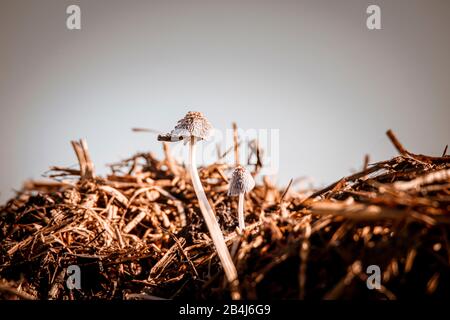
(241, 211)
(211, 223)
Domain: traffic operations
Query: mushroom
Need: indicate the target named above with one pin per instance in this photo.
(192, 128)
(241, 182)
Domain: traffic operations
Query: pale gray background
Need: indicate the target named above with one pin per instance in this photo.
(310, 68)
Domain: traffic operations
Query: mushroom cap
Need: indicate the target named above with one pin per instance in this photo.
(241, 182)
(194, 124)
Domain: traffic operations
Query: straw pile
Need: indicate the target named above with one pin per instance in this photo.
(138, 233)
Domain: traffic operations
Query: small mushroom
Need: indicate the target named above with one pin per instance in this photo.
(192, 128)
(241, 183)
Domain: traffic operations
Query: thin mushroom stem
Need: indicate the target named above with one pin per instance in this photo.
(211, 222)
(241, 211)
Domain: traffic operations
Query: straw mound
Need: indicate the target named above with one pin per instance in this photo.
(139, 234)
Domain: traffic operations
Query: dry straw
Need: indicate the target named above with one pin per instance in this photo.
(139, 232)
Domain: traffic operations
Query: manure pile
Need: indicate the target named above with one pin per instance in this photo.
(138, 233)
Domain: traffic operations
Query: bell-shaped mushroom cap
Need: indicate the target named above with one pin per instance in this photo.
(241, 182)
(194, 124)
